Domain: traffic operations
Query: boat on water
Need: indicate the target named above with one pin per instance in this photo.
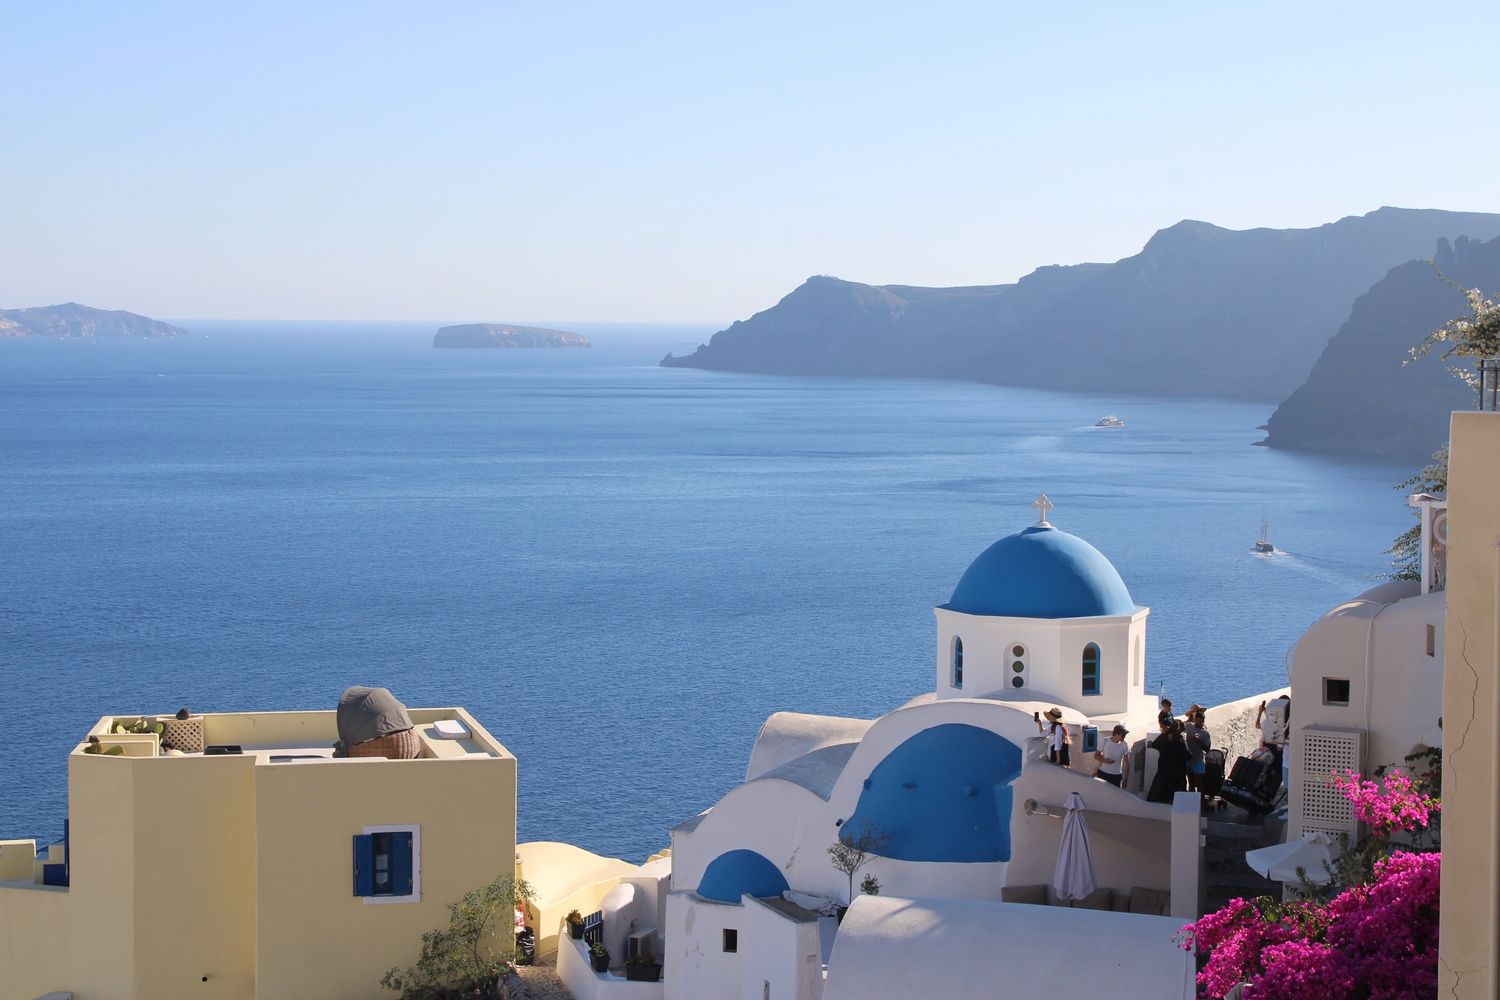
(1263, 544)
(1110, 421)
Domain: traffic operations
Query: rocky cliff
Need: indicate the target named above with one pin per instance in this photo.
(1361, 398)
(1199, 311)
(74, 320)
(505, 335)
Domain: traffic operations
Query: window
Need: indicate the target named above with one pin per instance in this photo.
(1335, 691)
(731, 940)
(386, 868)
(1431, 640)
(958, 662)
(1017, 666)
(1091, 669)
(1137, 680)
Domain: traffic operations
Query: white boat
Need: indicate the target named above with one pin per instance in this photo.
(1110, 421)
(1263, 544)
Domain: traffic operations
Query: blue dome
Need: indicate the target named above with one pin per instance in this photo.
(1041, 573)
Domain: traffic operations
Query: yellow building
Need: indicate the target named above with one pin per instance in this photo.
(1469, 940)
(274, 872)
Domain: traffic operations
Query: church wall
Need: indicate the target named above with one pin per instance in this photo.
(1053, 658)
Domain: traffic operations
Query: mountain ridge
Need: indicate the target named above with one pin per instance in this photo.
(1365, 396)
(1200, 311)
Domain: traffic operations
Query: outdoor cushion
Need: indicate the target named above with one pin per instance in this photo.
(1099, 899)
(1153, 901)
(1035, 894)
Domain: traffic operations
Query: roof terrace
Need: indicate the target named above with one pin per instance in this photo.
(288, 737)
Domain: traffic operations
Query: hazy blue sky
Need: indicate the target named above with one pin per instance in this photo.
(695, 161)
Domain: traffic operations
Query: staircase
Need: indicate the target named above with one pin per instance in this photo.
(1228, 836)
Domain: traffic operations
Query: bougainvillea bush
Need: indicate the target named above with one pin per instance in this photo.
(1376, 938)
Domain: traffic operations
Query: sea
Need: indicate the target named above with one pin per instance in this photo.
(620, 569)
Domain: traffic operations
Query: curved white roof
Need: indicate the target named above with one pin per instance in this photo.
(557, 870)
(817, 771)
(889, 948)
(789, 735)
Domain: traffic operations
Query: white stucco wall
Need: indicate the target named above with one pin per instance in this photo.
(891, 948)
(697, 965)
(1378, 643)
(1054, 658)
(780, 956)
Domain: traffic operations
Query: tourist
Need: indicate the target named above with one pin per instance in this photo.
(1171, 763)
(1274, 720)
(1058, 738)
(1197, 740)
(1166, 710)
(1114, 758)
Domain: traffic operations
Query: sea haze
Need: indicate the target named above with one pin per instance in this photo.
(620, 569)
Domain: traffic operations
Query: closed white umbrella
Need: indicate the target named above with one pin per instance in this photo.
(1074, 878)
(1279, 862)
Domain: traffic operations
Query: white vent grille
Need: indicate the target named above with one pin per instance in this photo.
(1323, 752)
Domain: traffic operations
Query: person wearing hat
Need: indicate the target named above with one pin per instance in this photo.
(1113, 756)
(1058, 738)
(1198, 740)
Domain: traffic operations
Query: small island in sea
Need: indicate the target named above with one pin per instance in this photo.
(506, 335)
(73, 320)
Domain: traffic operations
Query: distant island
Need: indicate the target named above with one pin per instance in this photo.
(505, 335)
(73, 320)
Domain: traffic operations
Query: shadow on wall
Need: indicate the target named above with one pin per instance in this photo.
(942, 795)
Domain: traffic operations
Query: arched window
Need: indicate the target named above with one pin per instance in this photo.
(1137, 661)
(1091, 669)
(958, 662)
(1017, 670)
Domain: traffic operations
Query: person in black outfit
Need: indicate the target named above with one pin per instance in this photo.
(1171, 763)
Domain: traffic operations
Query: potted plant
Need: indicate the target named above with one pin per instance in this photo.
(599, 956)
(575, 924)
(643, 969)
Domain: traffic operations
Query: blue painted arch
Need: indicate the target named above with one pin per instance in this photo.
(942, 795)
(734, 873)
(1041, 573)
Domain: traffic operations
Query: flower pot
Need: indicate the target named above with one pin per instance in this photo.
(643, 972)
(576, 930)
(599, 962)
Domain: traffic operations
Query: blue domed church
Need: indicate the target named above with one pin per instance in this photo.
(952, 792)
(1042, 615)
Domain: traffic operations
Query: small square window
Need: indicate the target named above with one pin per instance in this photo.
(386, 865)
(731, 940)
(1431, 640)
(1335, 691)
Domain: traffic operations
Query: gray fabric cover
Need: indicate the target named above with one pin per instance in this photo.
(368, 714)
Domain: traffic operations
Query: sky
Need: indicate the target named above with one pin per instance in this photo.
(693, 162)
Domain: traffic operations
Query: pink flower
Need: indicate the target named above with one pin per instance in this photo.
(1391, 804)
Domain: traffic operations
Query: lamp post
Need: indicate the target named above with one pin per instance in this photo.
(1489, 384)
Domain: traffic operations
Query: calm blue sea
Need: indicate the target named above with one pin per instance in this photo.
(620, 569)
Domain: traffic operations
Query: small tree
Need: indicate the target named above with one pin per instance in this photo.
(463, 961)
(853, 850)
(1476, 335)
(1406, 552)
(870, 885)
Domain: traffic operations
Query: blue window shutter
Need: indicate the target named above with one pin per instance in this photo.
(401, 864)
(364, 865)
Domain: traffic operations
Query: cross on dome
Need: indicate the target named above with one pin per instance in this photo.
(1041, 504)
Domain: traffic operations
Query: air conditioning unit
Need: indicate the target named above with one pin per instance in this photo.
(1318, 753)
